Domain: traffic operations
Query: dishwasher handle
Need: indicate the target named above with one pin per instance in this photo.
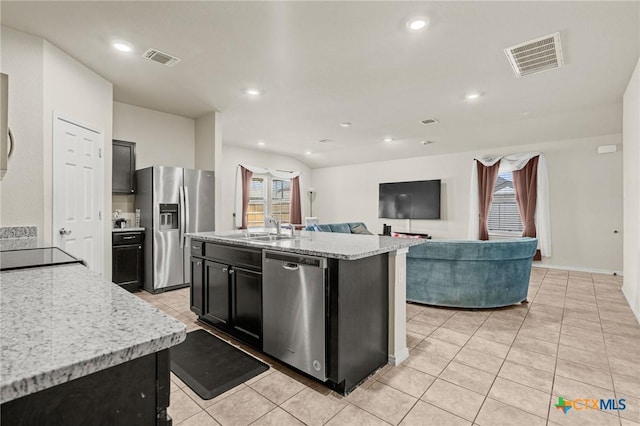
(293, 261)
(290, 266)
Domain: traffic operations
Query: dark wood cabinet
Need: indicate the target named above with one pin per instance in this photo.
(197, 286)
(132, 393)
(124, 167)
(246, 302)
(127, 254)
(229, 280)
(216, 280)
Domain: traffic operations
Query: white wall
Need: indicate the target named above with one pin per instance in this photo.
(76, 92)
(631, 166)
(232, 157)
(208, 151)
(22, 189)
(161, 139)
(585, 198)
(205, 136)
(44, 80)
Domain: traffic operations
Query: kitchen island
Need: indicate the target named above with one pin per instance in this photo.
(363, 306)
(77, 349)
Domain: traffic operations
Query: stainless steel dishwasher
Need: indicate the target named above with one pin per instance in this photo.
(293, 303)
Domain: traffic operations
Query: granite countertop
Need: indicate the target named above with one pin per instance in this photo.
(130, 229)
(60, 323)
(325, 244)
(21, 243)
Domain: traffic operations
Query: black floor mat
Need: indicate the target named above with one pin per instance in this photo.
(211, 366)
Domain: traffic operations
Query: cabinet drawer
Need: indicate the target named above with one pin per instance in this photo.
(196, 248)
(243, 257)
(121, 238)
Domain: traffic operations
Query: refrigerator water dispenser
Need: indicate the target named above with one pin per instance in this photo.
(168, 216)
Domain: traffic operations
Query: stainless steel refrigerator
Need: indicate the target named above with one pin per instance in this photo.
(172, 202)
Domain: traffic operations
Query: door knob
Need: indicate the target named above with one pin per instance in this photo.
(65, 231)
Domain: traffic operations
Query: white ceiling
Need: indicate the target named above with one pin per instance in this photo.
(321, 63)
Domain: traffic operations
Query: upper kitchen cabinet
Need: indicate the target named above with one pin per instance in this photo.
(124, 167)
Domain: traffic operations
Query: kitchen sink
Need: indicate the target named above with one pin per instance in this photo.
(261, 236)
(273, 237)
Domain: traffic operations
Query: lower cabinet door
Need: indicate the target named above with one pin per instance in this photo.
(246, 287)
(216, 280)
(127, 265)
(197, 287)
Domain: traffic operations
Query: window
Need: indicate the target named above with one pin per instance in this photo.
(269, 197)
(256, 213)
(504, 215)
(280, 198)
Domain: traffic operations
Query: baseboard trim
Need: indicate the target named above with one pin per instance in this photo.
(399, 358)
(577, 268)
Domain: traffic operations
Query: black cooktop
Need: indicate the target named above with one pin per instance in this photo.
(32, 258)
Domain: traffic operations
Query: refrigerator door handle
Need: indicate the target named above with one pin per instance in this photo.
(182, 218)
(187, 225)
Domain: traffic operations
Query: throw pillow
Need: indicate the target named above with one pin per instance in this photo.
(359, 229)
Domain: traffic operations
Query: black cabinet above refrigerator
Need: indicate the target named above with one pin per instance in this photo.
(124, 167)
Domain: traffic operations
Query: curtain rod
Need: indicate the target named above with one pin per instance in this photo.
(277, 170)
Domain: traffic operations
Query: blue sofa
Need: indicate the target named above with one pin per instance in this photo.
(470, 274)
(343, 228)
(464, 274)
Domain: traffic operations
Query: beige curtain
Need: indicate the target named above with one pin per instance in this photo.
(487, 176)
(295, 210)
(246, 194)
(526, 188)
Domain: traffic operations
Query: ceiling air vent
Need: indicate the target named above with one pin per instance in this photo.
(161, 57)
(541, 54)
(429, 121)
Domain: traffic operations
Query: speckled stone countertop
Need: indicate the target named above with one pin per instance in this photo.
(325, 244)
(131, 229)
(21, 243)
(59, 323)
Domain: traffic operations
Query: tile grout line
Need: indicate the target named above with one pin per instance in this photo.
(604, 341)
(555, 365)
(507, 354)
(445, 367)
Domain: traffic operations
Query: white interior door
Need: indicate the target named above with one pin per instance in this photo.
(78, 183)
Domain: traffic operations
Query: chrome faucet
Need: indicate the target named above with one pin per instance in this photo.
(273, 221)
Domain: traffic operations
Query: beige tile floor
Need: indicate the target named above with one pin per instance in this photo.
(577, 338)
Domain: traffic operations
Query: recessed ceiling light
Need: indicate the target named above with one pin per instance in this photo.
(308, 153)
(471, 96)
(253, 92)
(122, 46)
(417, 24)
(325, 140)
(345, 124)
(260, 143)
(388, 139)
(426, 142)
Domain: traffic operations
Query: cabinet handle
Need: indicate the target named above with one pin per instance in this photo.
(139, 247)
(231, 271)
(129, 238)
(225, 269)
(198, 263)
(195, 247)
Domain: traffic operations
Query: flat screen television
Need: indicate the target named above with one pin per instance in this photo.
(410, 200)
